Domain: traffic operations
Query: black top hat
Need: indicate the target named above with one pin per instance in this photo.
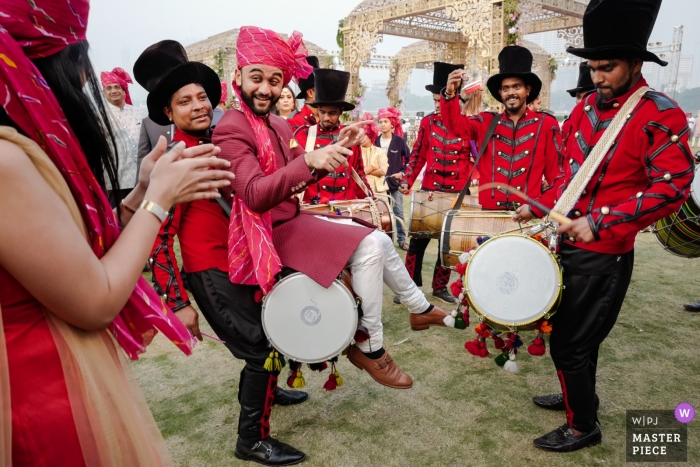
(308, 83)
(331, 86)
(515, 62)
(163, 68)
(618, 29)
(585, 83)
(441, 71)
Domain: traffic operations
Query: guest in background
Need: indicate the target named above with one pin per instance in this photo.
(287, 103)
(374, 158)
(127, 126)
(391, 140)
(536, 105)
(221, 108)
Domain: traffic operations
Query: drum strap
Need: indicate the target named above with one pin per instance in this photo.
(484, 143)
(573, 192)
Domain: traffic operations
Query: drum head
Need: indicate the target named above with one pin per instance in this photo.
(695, 187)
(513, 280)
(307, 322)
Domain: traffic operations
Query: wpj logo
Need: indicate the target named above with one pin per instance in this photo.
(658, 435)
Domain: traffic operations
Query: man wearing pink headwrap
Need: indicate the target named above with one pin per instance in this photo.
(392, 142)
(127, 124)
(268, 231)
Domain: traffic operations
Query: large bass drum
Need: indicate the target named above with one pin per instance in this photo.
(679, 233)
(460, 229)
(512, 281)
(307, 322)
(428, 209)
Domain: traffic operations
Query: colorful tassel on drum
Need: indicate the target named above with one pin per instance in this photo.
(477, 347)
(299, 381)
(334, 380)
(293, 368)
(510, 364)
(272, 363)
(361, 334)
(318, 366)
(537, 348)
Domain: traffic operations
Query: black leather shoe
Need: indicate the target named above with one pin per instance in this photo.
(268, 452)
(283, 397)
(556, 402)
(444, 295)
(396, 300)
(692, 306)
(563, 440)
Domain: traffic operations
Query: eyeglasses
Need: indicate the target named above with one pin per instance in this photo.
(515, 87)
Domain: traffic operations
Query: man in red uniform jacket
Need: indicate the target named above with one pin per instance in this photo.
(446, 157)
(644, 176)
(331, 86)
(525, 146)
(308, 115)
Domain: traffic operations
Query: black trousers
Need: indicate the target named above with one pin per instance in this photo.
(233, 314)
(414, 265)
(595, 287)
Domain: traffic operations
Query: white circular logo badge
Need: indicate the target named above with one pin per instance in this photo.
(310, 316)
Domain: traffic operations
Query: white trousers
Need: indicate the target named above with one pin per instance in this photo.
(374, 263)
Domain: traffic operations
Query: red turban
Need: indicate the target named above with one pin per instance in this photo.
(120, 77)
(257, 46)
(43, 28)
(224, 93)
(372, 129)
(392, 115)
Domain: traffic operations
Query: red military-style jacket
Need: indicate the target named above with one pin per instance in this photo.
(646, 174)
(202, 229)
(446, 157)
(338, 185)
(301, 118)
(521, 155)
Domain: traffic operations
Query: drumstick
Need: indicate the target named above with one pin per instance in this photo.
(561, 218)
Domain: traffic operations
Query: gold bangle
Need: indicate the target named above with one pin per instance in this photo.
(154, 209)
(132, 211)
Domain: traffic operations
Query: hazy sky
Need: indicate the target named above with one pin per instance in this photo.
(119, 31)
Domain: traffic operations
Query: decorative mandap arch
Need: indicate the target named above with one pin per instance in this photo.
(459, 31)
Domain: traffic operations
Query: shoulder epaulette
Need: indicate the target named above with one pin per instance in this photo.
(662, 101)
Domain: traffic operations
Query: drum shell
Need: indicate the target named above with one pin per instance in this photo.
(428, 209)
(460, 230)
(523, 325)
(360, 209)
(679, 232)
(344, 285)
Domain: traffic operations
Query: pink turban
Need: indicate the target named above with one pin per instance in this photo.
(224, 93)
(372, 129)
(392, 115)
(257, 46)
(43, 28)
(120, 77)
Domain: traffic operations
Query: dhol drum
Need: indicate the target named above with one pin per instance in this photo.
(375, 211)
(460, 229)
(679, 233)
(512, 281)
(307, 322)
(428, 209)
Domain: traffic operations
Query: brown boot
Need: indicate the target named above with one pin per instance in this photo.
(433, 318)
(383, 370)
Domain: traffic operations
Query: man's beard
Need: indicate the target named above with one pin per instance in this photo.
(248, 100)
(616, 92)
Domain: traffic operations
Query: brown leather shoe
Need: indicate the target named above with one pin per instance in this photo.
(422, 322)
(383, 370)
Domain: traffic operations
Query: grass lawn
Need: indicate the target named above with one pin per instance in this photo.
(462, 410)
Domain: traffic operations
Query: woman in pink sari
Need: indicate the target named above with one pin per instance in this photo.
(70, 286)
